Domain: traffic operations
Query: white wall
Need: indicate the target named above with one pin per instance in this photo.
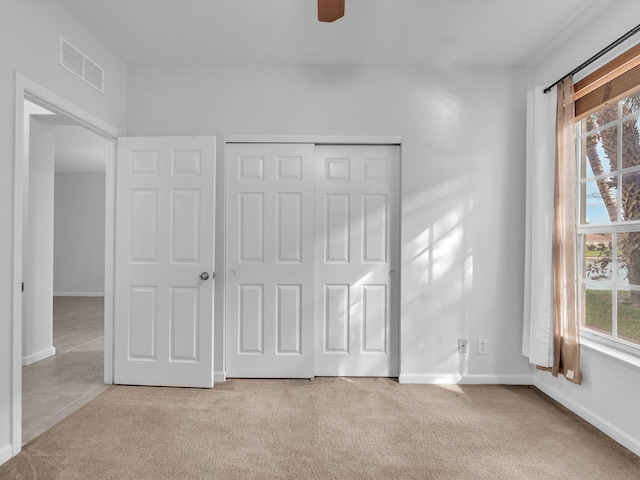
(610, 394)
(462, 185)
(79, 233)
(29, 44)
(37, 313)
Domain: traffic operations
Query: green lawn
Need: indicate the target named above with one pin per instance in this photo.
(598, 314)
(597, 253)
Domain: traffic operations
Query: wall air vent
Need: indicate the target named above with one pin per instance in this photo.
(79, 64)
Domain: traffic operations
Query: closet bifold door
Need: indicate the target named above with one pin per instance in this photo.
(269, 230)
(357, 260)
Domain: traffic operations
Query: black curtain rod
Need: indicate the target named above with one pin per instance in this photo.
(605, 50)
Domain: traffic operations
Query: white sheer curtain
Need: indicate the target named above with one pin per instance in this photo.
(537, 342)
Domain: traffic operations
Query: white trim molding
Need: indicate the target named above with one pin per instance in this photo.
(5, 454)
(474, 379)
(611, 347)
(620, 436)
(109, 260)
(16, 277)
(37, 356)
(317, 139)
(57, 104)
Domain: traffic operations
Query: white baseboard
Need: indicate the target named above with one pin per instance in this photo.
(78, 294)
(36, 357)
(6, 453)
(219, 377)
(437, 379)
(624, 438)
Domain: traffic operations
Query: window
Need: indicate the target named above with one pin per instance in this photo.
(608, 153)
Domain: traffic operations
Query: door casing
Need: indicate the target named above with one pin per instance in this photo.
(30, 90)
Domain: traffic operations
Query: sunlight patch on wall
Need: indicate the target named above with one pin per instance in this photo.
(448, 243)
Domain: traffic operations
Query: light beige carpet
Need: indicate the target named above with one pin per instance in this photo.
(329, 428)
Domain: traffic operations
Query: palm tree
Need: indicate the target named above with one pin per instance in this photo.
(629, 243)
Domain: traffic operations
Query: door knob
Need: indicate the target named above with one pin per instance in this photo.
(204, 276)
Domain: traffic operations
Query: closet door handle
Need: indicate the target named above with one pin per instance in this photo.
(204, 276)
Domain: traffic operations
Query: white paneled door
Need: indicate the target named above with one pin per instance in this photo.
(163, 295)
(270, 248)
(312, 238)
(357, 260)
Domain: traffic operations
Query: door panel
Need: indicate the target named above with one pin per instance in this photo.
(269, 251)
(375, 229)
(289, 229)
(374, 318)
(185, 226)
(163, 323)
(185, 327)
(336, 319)
(143, 323)
(251, 223)
(289, 319)
(143, 245)
(357, 208)
(337, 228)
(251, 319)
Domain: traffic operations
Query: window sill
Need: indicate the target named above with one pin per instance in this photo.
(592, 342)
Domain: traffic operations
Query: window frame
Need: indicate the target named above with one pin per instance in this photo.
(619, 226)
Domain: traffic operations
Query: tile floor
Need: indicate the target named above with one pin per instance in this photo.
(57, 386)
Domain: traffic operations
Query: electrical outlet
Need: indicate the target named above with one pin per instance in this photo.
(463, 345)
(483, 347)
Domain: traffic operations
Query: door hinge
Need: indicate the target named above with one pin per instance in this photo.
(23, 287)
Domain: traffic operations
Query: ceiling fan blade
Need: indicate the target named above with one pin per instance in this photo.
(330, 10)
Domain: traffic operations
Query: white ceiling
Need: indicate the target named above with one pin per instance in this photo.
(372, 32)
(286, 32)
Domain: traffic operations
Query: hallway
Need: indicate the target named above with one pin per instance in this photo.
(57, 386)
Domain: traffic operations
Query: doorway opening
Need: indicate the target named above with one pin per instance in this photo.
(63, 268)
(70, 115)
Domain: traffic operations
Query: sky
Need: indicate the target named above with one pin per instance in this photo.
(595, 209)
